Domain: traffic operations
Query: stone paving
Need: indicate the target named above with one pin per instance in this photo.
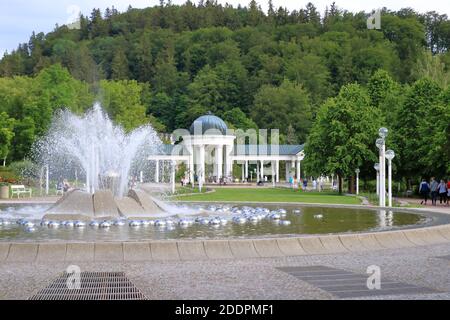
(250, 279)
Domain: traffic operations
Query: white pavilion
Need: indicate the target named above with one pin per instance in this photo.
(209, 151)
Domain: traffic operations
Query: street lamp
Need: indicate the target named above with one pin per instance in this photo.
(390, 155)
(380, 143)
(357, 181)
(377, 168)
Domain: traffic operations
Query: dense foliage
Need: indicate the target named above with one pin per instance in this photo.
(295, 71)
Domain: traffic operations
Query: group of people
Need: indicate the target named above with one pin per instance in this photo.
(436, 190)
(303, 183)
(63, 186)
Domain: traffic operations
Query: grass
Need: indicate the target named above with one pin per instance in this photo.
(272, 195)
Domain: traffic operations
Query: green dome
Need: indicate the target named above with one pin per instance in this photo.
(209, 122)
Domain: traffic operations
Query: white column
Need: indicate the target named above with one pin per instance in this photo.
(228, 163)
(357, 184)
(262, 170)
(378, 183)
(274, 174)
(277, 165)
(173, 175)
(47, 179)
(141, 177)
(191, 166)
(219, 161)
(257, 171)
(287, 171)
(157, 172)
(299, 170)
(243, 171)
(246, 170)
(201, 170)
(383, 177)
(390, 182)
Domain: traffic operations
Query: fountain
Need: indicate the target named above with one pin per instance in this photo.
(106, 156)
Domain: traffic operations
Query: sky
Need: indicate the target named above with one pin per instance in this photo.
(19, 18)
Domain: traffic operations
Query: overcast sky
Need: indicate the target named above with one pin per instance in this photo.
(19, 18)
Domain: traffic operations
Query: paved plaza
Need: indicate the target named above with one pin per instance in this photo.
(423, 267)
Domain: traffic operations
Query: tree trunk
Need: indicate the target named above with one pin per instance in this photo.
(352, 185)
(340, 184)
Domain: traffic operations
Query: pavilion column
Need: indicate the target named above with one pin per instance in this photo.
(257, 171)
(201, 169)
(277, 169)
(191, 166)
(243, 171)
(228, 162)
(287, 171)
(299, 170)
(246, 170)
(262, 170)
(219, 161)
(157, 172)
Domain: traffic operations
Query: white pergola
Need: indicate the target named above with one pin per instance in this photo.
(209, 142)
(220, 151)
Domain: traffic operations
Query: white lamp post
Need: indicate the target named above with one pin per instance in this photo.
(390, 155)
(383, 132)
(377, 168)
(357, 181)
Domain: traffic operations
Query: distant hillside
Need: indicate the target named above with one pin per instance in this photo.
(252, 68)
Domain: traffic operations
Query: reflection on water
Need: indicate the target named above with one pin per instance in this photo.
(304, 220)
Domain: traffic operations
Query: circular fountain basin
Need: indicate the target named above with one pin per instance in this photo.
(218, 221)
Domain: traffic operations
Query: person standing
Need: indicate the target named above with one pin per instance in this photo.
(434, 190)
(424, 189)
(442, 188)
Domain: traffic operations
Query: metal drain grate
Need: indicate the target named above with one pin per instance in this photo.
(94, 286)
(345, 284)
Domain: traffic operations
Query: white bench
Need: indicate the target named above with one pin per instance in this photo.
(18, 190)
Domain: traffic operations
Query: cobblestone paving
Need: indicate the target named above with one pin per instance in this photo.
(246, 279)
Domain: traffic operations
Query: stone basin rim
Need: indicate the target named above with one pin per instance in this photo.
(217, 249)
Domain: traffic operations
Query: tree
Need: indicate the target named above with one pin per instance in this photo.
(279, 107)
(414, 128)
(6, 135)
(236, 119)
(122, 101)
(432, 67)
(311, 72)
(342, 138)
(120, 69)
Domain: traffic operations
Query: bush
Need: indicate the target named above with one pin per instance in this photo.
(25, 169)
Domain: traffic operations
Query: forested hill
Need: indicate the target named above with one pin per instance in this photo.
(255, 69)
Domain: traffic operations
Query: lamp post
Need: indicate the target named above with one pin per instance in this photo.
(383, 132)
(357, 181)
(390, 155)
(377, 168)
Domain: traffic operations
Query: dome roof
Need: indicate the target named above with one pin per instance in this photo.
(209, 123)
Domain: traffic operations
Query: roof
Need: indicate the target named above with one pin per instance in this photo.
(241, 150)
(282, 150)
(209, 123)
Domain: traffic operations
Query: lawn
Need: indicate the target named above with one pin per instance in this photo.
(271, 195)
